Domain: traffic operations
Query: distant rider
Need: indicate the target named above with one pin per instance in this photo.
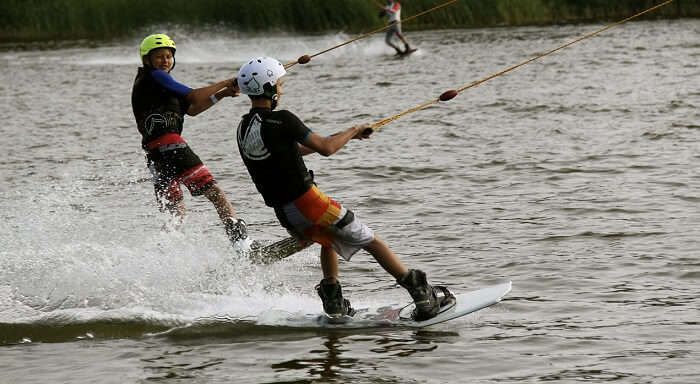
(271, 144)
(159, 104)
(393, 11)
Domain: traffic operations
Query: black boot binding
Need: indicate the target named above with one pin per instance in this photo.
(429, 300)
(334, 304)
(236, 229)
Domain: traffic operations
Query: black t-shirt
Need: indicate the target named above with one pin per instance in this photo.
(268, 144)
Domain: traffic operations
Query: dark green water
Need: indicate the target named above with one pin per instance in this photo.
(575, 177)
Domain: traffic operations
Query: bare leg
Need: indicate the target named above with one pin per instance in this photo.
(403, 39)
(223, 207)
(392, 45)
(388, 41)
(386, 258)
(422, 293)
(177, 211)
(329, 288)
(329, 264)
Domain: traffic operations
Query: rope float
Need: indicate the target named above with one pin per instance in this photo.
(451, 94)
(306, 58)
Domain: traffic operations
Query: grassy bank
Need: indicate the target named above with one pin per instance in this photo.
(23, 20)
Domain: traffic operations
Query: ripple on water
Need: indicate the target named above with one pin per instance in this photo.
(573, 176)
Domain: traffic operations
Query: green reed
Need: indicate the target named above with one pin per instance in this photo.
(103, 19)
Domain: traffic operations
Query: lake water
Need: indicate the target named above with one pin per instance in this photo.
(574, 176)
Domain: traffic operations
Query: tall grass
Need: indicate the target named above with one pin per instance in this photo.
(73, 19)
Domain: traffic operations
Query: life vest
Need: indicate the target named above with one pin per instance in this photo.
(157, 111)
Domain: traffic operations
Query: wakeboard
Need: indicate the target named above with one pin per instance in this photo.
(463, 304)
(270, 253)
(406, 52)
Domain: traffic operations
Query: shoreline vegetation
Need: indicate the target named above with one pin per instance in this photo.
(41, 20)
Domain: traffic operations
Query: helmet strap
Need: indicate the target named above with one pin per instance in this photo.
(270, 91)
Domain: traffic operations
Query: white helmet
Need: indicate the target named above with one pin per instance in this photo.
(259, 77)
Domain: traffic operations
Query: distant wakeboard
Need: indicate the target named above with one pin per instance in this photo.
(276, 251)
(463, 304)
(406, 53)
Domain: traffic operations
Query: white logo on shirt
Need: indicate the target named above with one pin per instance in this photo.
(155, 122)
(252, 145)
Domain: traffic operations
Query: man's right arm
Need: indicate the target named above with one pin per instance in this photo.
(165, 80)
(199, 99)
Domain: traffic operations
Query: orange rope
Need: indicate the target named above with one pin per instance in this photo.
(305, 59)
(474, 84)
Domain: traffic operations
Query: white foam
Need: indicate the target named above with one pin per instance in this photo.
(65, 260)
(215, 48)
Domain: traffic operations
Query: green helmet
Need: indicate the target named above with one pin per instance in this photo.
(155, 41)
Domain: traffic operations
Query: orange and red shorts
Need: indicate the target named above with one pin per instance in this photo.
(172, 162)
(316, 217)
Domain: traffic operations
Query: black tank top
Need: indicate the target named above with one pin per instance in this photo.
(268, 144)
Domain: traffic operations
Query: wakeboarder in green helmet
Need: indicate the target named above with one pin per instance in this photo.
(160, 104)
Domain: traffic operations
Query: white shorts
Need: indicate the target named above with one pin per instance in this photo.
(318, 218)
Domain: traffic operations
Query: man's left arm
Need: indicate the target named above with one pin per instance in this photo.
(329, 145)
(304, 150)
